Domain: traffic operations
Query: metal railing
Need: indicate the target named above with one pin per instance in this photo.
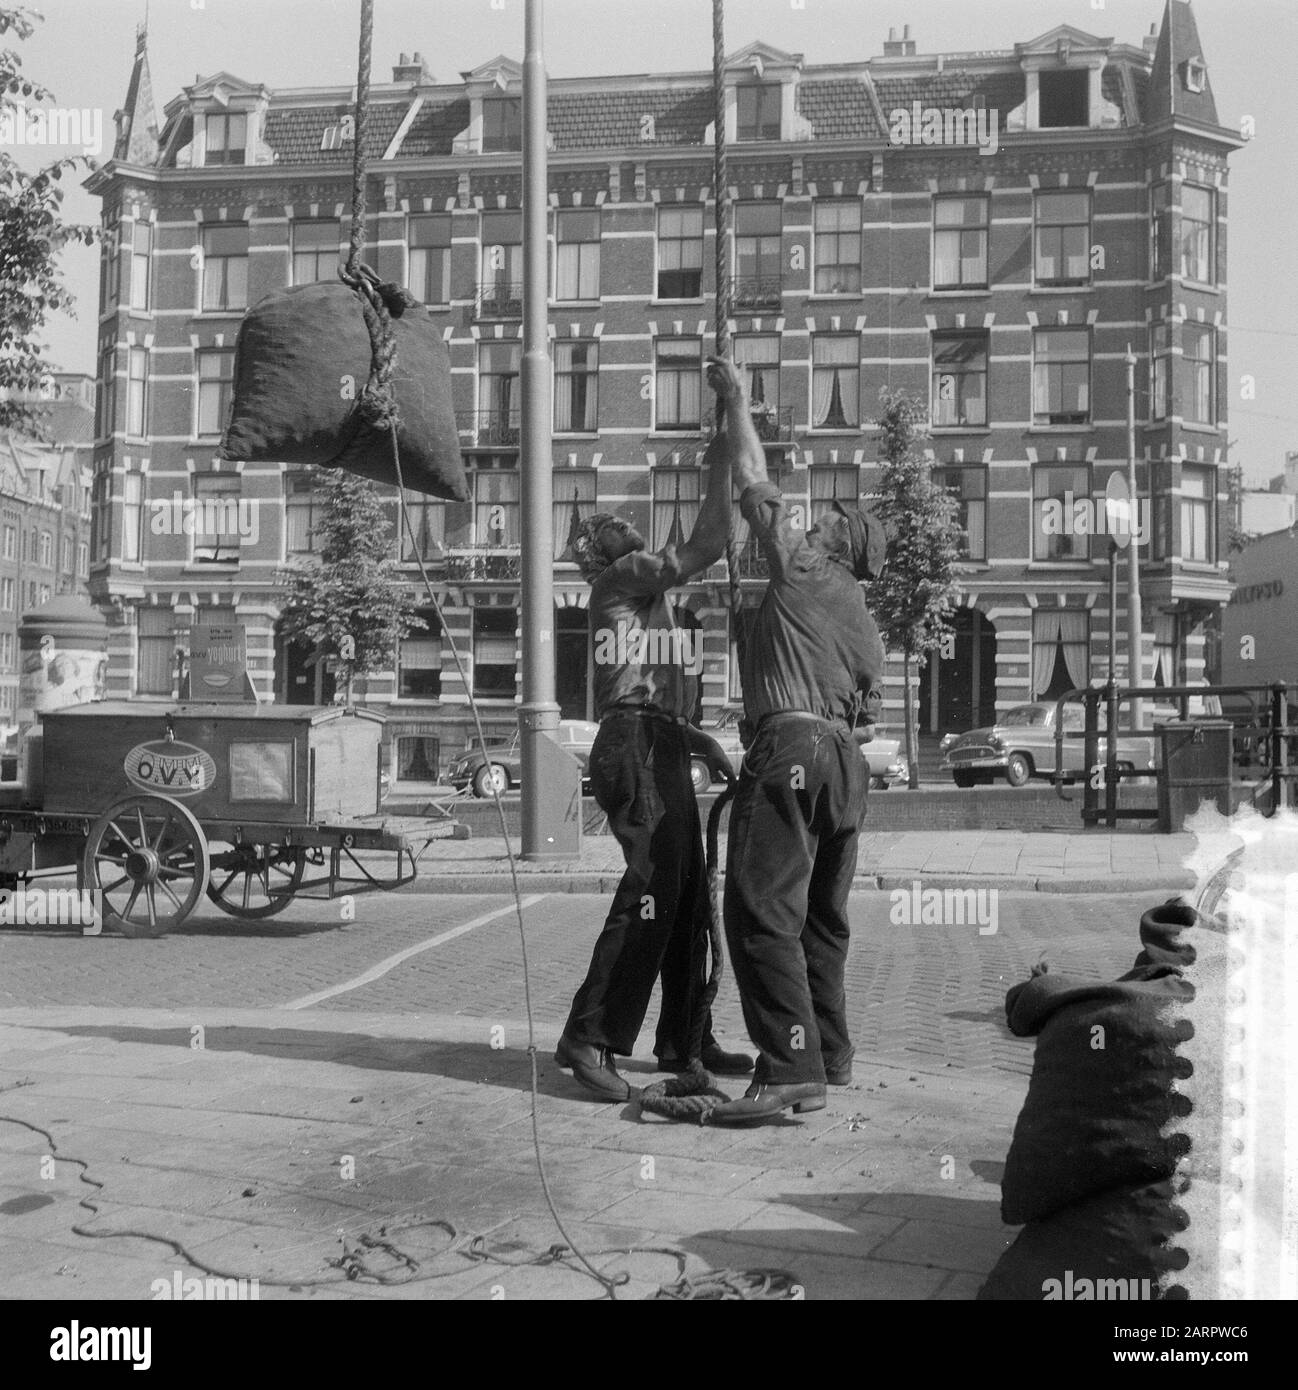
(498, 429)
(475, 564)
(773, 425)
(1269, 730)
(756, 292)
(499, 299)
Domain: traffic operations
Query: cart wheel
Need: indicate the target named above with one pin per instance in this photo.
(148, 857)
(255, 881)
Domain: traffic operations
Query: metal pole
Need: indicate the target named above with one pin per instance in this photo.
(539, 711)
(1135, 623)
(1113, 608)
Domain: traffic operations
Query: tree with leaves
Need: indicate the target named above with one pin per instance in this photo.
(918, 588)
(351, 605)
(32, 234)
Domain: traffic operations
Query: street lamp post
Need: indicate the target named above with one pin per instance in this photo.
(1134, 617)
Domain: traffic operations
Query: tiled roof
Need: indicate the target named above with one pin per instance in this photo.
(1178, 40)
(1001, 91)
(838, 110)
(580, 120)
(295, 133)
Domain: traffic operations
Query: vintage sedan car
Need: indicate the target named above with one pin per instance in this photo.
(503, 764)
(883, 756)
(1021, 746)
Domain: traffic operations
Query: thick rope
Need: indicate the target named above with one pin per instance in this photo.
(359, 142)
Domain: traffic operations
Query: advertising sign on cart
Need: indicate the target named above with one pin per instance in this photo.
(218, 664)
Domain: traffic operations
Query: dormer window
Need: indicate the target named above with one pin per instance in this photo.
(502, 124)
(1065, 98)
(226, 139)
(758, 110)
(1196, 75)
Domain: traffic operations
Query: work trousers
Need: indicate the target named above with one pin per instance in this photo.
(658, 923)
(791, 856)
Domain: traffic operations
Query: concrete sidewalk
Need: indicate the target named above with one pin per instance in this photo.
(1093, 861)
(270, 1143)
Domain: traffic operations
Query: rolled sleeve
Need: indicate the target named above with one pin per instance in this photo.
(645, 572)
(763, 508)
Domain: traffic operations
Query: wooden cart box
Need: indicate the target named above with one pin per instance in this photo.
(290, 764)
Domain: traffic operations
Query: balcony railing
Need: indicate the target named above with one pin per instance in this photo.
(500, 299)
(496, 429)
(478, 563)
(773, 426)
(751, 564)
(755, 292)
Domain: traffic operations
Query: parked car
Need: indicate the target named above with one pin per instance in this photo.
(1020, 745)
(503, 763)
(883, 756)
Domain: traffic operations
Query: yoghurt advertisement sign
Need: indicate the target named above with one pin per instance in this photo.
(218, 663)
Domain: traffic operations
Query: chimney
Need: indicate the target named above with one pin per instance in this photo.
(412, 68)
(1150, 42)
(899, 48)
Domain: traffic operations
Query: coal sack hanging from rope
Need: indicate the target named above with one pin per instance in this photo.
(303, 360)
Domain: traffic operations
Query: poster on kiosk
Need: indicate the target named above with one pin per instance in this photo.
(218, 665)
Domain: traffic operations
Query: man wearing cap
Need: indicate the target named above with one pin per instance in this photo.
(813, 654)
(646, 684)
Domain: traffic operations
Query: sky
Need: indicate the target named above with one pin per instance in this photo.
(84, 48)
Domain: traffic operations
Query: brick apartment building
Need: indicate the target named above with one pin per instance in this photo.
(1004, 288)
(44, 513)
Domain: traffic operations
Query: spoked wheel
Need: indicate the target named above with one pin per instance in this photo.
(147, 856)
(255, 881)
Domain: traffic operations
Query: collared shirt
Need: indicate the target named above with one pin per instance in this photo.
(813, 643)
(642, 655)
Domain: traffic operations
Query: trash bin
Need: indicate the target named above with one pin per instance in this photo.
(1194, 765)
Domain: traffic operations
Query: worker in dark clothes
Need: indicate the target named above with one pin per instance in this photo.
(813, 654)
(646, 681)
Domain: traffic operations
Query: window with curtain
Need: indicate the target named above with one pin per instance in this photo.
(141, 261)
(1199, 348)
(1064, 485)
(224, 266)
(832, 483)
(1160, 231)
(137, 390)
(573, 494)
(496, 507)
(576, 387)
(678, 382)
(680, 251)
(836, 223)
(1165, 658)
(315, 251)
(215, 388)
(155, 651)
(676, 500)
(1160, 356)
(301, 506)
(959, 243)
(969, 487)
(132, 517)
(1061, 376)
(576, 234)
(502, 255)
(758, 358)
(419, 660)
(427, 518)
(1198, 485)
(960, 379)
(216, 517)
(495, 646)
(502, 124)
(758, 258)
(1196, 241)
(500, 398)
(1063, 237)
(1060, 651)
(227, 139)
(430, 258)
(758, 111)
(835, 381)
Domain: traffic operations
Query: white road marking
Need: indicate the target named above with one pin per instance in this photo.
(376, 972)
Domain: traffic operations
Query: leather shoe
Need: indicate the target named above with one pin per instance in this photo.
(763, 1101)
(715, 1060)
(593, 1067)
